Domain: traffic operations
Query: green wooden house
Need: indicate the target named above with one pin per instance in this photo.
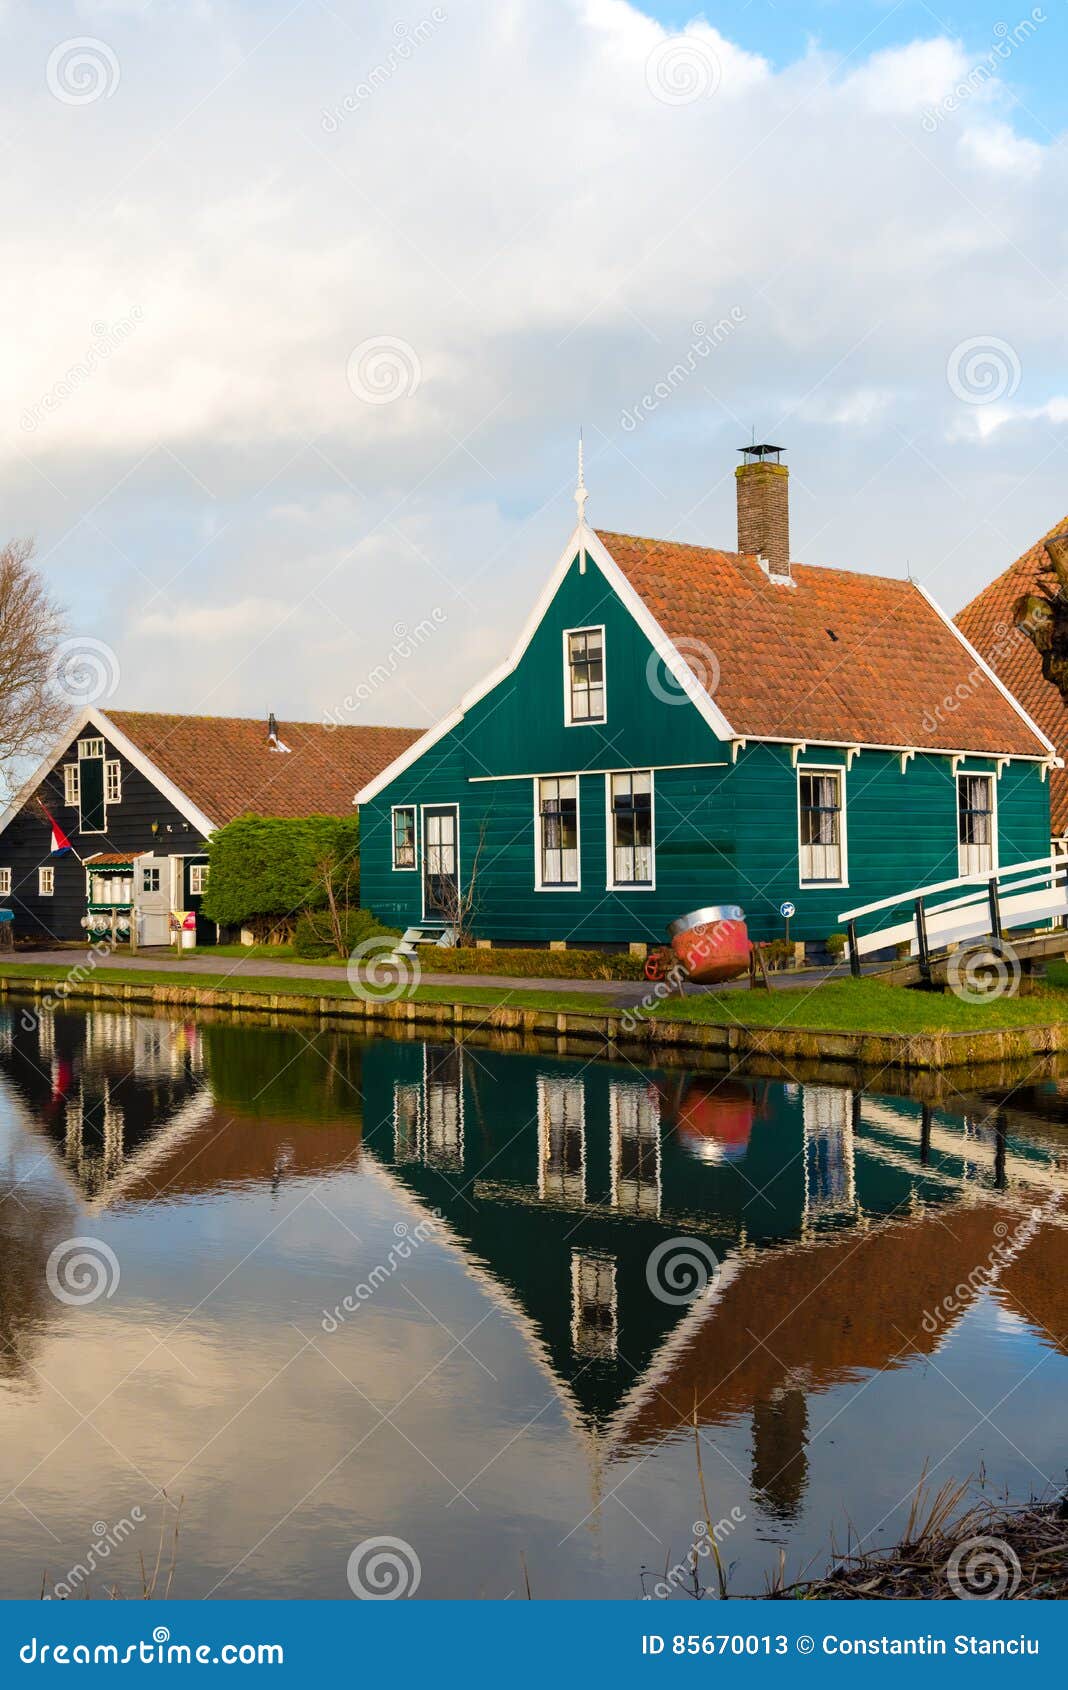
(679, 726)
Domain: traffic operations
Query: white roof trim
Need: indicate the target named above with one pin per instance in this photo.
(91, 717)
(985, 667)
(582, 539)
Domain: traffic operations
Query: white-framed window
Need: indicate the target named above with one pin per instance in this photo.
(90, 748)
(976, 824)
(150, 881)
(634, 1127)
(594, 1305)
(71, 784)
(46, 881)
(585, 697)
(113, 782)
(557, 829)
(561, 1140)
(631, 829)
(198, 879)
(821, 826)
(404, 836)
(5, 883)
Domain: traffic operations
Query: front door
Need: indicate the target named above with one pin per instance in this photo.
(441, 826)
(152, 899)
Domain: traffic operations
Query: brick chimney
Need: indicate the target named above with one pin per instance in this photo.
(764, 506)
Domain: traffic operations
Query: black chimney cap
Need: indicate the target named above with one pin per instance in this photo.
(764, 451)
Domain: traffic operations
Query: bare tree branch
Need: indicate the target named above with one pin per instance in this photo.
(32, 712)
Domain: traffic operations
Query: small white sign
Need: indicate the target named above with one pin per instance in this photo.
(787, 910)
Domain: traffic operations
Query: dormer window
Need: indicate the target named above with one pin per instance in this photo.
(584, 688)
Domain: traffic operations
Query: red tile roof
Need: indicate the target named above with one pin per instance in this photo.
(226, 767)
(988, 622)
(840, 657)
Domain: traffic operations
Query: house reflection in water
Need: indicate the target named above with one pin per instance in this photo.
(571, 1176)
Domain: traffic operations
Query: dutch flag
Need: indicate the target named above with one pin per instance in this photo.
(61, 845)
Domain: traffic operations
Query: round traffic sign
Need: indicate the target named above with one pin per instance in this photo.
(787, 910)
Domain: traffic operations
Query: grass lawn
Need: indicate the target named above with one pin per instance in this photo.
(838, 1005)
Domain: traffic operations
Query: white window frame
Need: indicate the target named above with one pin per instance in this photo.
(112, 781)
(144, 869)
(198, 879)
(90, 748)
(71, 785)
(448, 804)
(611, 883)
(585, 721)
(554, 1087)
(46, 881)
(620, 1094)
(541, 885)
(5, 883)
(403, 868)
(837, 769)
(989, 776)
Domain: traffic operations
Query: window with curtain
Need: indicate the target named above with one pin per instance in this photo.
(585, 675)
(975, 824)
(821, 794)
(558, 858)
(404, 837)
(631, 828)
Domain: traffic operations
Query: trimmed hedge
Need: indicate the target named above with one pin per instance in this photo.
(532, 965)
(264, 869)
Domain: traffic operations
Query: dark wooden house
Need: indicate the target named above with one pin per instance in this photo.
(138, 794)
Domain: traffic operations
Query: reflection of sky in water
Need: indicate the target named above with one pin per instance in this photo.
(513, 1387)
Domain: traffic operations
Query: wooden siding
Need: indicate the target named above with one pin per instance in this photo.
(24, 846)
(725, 833)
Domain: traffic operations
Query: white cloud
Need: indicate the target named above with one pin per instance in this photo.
(510, 199)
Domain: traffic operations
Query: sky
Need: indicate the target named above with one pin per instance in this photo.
(307, 300)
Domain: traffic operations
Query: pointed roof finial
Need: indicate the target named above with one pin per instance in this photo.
(581, 494)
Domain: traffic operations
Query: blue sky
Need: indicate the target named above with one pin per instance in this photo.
(308, 301)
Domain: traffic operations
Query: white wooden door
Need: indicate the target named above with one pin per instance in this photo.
(152, 899)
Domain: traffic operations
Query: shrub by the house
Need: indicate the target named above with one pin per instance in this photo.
(266, 871)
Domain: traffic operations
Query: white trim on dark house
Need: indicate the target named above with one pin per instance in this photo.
(448, 805)
(570, 720)
(842, 879)
(611, 883)
(403, 868)
(963, 866)
(5, 882)
(540, 884)
(46, 881)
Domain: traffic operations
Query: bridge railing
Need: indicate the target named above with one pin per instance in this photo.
(986, 905)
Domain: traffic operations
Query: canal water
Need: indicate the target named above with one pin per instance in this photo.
(294, 1292)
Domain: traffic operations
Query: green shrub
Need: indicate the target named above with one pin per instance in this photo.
(532, 965)
(311, 935)
(779, 953)
(266, 869)
(836, 943)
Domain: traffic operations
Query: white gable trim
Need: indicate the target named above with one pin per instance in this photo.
(94, 718)
(986, 669)
(582, 540)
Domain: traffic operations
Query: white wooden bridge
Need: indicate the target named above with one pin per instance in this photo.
(1028, 901)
